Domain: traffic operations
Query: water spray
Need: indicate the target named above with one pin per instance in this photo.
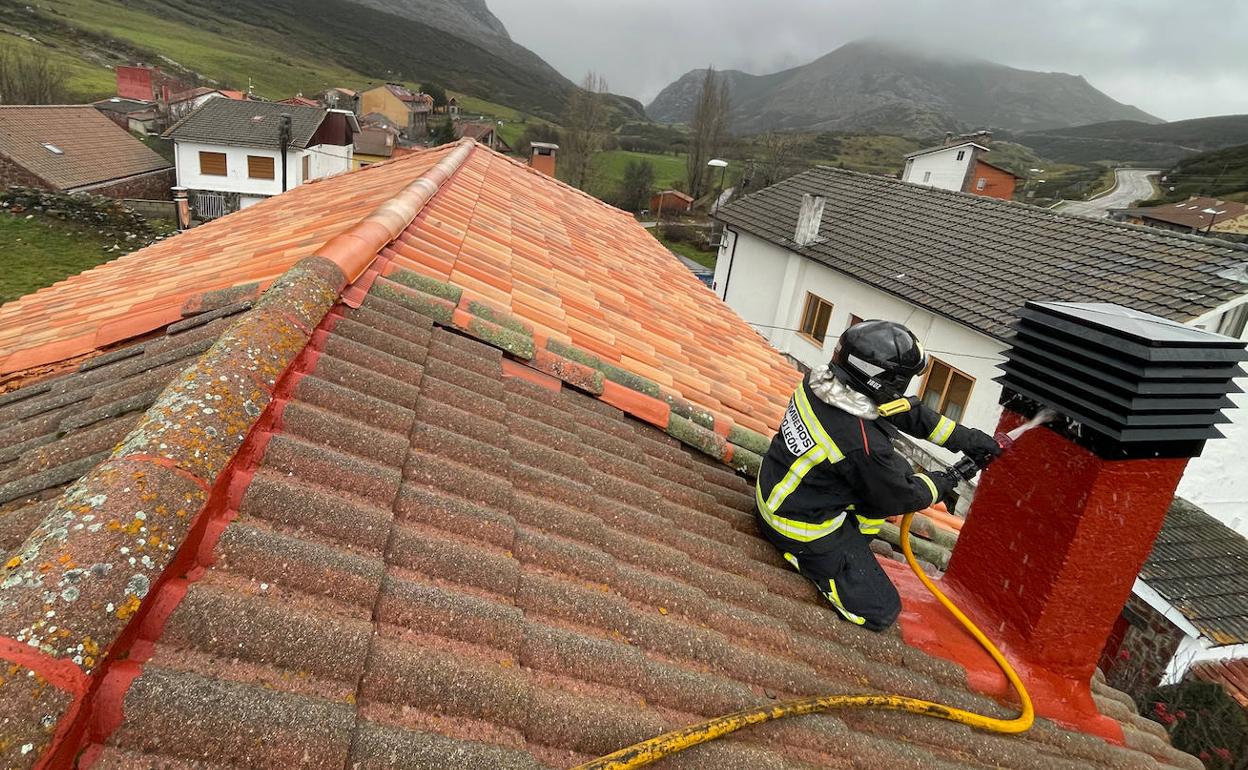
(967, 468)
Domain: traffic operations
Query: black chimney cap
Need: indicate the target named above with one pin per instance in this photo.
(1129, 384)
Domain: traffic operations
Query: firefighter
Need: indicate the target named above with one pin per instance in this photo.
(831, 475)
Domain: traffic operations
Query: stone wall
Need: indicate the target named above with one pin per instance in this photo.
(154, 185)
(106, 216)
(1148, 643)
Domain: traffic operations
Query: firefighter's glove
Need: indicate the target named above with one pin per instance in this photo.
(945, 481)
(981, 448)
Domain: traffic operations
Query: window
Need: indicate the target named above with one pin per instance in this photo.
(307, 167)
(927, 177)
(1233, 321)
(961, 154)
(212, 163)
(947, 390)
(979, 183)
(259, 167)
(815, 318)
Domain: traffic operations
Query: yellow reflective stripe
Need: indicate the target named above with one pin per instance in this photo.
(869, 526)
(803, 531)
(940, 434)
(794, 475)
(930, 485)
(815, 428)
(835, 597)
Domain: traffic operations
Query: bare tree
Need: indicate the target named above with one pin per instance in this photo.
(584, 129)
(30, 77)
(777, 152)
(708, 129)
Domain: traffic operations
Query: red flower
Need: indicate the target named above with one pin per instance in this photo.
(1223, 754)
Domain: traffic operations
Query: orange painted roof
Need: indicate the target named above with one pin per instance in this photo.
(575, 268)
(144, 290)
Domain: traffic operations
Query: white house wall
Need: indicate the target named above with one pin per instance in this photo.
(758, 292)
(947, 172)
(324, 160)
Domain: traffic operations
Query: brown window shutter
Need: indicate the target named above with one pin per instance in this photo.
(259, 167)
(212, 163)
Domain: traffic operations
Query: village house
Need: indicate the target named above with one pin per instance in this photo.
(147, 84)
(232, 154)
(805, 258)
(405, 108)
(374, 145)
(1197, 215)
(337, 98)
(76, 148)
(135, 116)
(445, 458)
(959, 164)
(485, 132)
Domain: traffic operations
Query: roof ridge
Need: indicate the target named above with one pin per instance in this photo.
(1160, 235)
(354, 249)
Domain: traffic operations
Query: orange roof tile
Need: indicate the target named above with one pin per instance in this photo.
(573, 267)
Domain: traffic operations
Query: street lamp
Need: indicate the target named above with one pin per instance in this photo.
(722, 165)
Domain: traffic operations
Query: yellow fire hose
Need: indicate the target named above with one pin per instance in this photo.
(654, 749)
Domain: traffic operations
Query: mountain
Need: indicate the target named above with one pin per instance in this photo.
(282, 47)
(886, 87)
(1135, 142)
(1218, 174)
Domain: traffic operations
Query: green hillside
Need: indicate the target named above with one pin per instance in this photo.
(280, 46)
(1218, 174)
(1142, 144)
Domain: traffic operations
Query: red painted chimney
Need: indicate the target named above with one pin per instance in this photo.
(1063, 521)
(543, 157)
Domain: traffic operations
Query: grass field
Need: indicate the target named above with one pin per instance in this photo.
(701, 256)
(668, 169)
(39, 252)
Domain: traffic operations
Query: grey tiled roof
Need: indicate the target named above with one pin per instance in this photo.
(1200, 565)
(246, 123)
(976, 259)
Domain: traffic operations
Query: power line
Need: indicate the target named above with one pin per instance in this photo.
(929, 350)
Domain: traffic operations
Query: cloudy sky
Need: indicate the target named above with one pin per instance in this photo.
(1174, 58)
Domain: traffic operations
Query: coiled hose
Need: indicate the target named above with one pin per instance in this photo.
(654, 749)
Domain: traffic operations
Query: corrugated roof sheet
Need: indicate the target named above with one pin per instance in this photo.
(72, 146)
(976, 260)
(1200, 565)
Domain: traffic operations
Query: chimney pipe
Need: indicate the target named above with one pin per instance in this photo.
(543, 157)
(181, 207)
(1062, 523)
(809, 218)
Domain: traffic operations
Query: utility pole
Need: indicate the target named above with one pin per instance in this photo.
(283, 143)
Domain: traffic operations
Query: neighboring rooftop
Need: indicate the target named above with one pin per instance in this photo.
(247, 123)
(72, 146)
(1197, 213)
(417, 508)
(976, 260)
(375, 141)
(1200, 566)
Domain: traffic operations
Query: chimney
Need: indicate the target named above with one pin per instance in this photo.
(948, 138)
(1063, 521)
(543, 157)
(809, 217)
(181, 208)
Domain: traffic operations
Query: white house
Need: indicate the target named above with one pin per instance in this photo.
(230, 154)
(955, 268)
(960, 165)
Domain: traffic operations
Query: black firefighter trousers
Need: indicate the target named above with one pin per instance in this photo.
(843, 569)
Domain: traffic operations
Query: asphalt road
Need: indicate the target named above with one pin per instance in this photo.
(1131, 185)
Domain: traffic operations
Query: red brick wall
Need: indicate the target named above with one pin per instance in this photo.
(152, 186)
(1148, 644)
(13, 174)
(997, 183)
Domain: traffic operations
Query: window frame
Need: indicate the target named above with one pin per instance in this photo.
(961, 154)
(251, 171)
(305, 167)
(811, 297)
(942, 402)
(981, 183)
(225, 163)
(927, 177)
